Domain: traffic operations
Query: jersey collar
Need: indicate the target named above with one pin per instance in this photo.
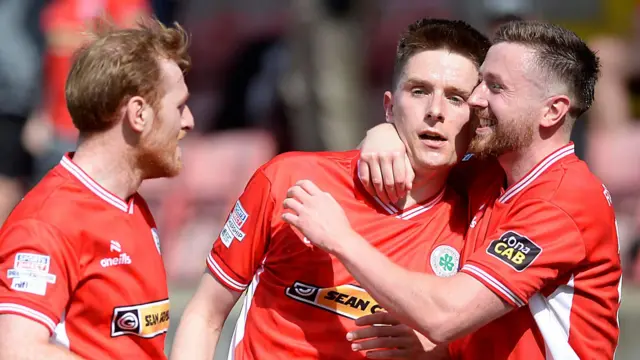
(537, 170)
(93, 186)
(404, 214)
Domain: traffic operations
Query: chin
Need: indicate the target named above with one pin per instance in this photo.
(162, 167)
(434, 163)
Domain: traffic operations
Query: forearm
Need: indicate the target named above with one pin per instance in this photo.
(401, 292)
(36, 352)
(196, 337)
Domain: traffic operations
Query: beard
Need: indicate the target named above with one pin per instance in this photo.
(506, 136)
(158, 159)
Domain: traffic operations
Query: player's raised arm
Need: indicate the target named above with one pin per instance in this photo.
(36, 273)
(236, 255)
(440, 308)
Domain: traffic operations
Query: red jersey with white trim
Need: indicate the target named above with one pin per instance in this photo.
(301, 301)
(548, 246)
(86, 265)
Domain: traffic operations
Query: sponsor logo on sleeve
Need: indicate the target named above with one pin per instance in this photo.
(145, 320)
(515, 250)
(232, 229)
(346, 300)
(30, 273)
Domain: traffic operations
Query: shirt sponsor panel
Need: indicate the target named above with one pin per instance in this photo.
(350, 301)
(144, 320)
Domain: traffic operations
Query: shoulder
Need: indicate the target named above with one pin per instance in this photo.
(56, 205)
(571, 191)
(303, 161)
(574, 189)
(287, 168)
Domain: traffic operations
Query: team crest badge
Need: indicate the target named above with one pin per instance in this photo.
(445, 261)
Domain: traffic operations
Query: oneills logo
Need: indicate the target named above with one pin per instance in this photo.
(347, 300)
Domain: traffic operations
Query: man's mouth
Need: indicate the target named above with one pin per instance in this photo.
(487, 122)
(432, 135)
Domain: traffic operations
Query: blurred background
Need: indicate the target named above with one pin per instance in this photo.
(278, 75)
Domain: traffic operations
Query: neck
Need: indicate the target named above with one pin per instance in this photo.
(114, 170)
(518, 163)
(425, 186)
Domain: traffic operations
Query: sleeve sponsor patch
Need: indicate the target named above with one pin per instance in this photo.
(347, 300)
(30, 273)
(515, 250)
(239, 215)
(232, 228)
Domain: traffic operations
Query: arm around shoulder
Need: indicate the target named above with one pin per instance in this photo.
(202, 321)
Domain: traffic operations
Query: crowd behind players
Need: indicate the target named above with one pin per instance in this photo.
(35, 128)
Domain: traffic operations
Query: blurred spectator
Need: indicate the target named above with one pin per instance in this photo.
(499, 12)
(50, 133)
(613, 135)
(20, 65)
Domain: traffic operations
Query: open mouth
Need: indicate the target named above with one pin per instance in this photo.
(432, 136)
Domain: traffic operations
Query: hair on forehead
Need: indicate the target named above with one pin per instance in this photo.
(560, 55)
(440, 34)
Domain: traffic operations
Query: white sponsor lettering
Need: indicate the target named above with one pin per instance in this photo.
(123, 259)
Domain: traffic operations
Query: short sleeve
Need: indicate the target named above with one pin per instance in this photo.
(535, 244)
(241, 246)
(38, 271)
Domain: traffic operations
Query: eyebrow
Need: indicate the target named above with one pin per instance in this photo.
(448, 89)
(492, 77)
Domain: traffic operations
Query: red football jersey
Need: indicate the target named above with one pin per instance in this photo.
(548, 246)
(87, 265)
(300, 301)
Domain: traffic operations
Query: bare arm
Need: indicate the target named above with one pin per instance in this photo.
(203, 319)
(25, 339)
(442, 309)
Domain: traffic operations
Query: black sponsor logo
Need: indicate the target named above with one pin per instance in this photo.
(514, 249)
(126, 322)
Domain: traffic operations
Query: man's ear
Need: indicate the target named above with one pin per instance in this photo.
(557, 108)
(137, 111)
(387, 103)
